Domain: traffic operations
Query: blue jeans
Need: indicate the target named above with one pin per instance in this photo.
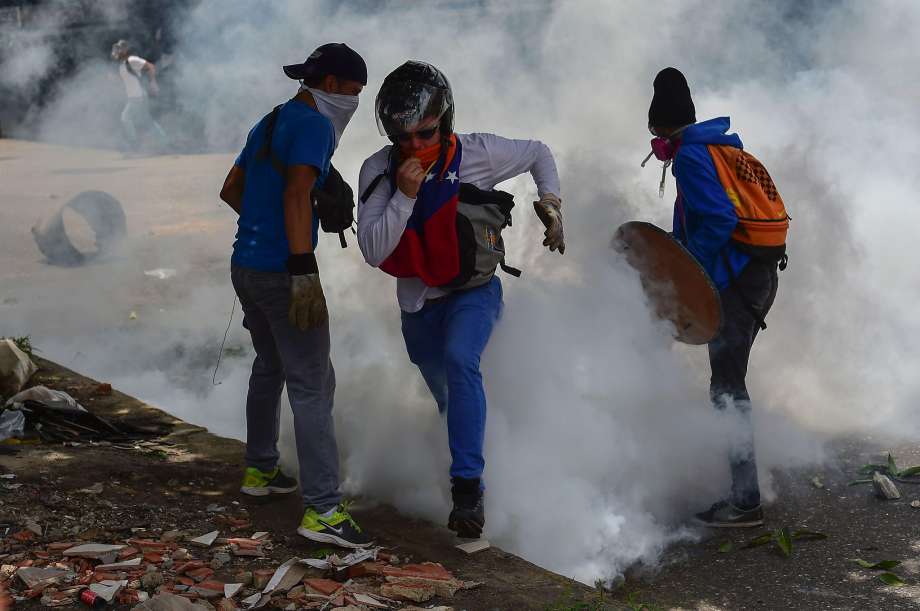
(285, 354)
(445, 339)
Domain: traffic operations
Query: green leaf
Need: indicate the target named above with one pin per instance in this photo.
(910, 472)
(892, 467)
(808, 535)
(866, 469)
(726, 547)
(784, 540)
(881, 565)
(891, 579)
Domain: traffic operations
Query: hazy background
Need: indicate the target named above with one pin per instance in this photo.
(600, 439)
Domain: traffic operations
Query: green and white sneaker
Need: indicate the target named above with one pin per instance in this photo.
(260, 483)
(336, 527)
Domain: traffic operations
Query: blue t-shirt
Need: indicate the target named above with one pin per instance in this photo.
(302, 137)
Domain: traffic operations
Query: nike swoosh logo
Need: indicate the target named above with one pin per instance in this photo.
(337, 531)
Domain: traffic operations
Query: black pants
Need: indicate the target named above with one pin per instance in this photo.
(744, 304)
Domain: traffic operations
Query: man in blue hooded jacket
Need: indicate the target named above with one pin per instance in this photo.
(704, 220)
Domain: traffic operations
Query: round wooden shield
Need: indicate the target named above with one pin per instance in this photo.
(677, 286)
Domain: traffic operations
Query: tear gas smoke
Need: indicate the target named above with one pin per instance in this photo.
(600, 437)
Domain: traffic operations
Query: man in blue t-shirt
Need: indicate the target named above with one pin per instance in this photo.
(276, 278)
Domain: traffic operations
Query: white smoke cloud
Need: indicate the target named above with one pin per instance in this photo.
(594, 417)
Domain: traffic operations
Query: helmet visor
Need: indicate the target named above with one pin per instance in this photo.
(404, 106)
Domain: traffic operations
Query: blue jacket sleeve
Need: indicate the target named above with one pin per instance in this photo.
(711, 216)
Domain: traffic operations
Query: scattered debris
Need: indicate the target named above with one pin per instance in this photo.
(33, 526)
(232, 589)
(915, 504)
(219, 560)
(151, 580)
(206, 539)
(15, 367)
(103, 390)
(261, 578)
(96, 488)
(54, 416)
(105, 217)
(54, 399)
(12, 424)
(816, 482)
(114, 566)
(96, 551)
(252, 601)
(477, 545)
(332, 561)
(107, 589)
(167, 602)
(36, 577)
(884, 487)
(245, 547)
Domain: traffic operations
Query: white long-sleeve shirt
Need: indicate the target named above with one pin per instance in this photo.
(486, 160)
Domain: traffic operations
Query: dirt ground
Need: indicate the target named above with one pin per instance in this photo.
(187, 480)
(171, 484)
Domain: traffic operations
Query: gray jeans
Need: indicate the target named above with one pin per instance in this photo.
(300, 358)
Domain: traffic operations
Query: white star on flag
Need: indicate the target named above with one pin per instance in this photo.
(452, 176)
(429, 176)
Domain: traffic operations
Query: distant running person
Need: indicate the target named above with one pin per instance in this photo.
(136, 119)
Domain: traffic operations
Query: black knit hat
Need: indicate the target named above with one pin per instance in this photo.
(335, 58)
(671, 103)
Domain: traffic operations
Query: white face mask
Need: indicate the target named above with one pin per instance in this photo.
(336, 107)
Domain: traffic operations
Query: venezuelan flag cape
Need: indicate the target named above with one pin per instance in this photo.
(428, 248)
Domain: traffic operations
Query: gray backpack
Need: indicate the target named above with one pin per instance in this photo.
(481, 217)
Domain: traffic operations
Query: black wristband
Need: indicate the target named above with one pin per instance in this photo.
(300, 265)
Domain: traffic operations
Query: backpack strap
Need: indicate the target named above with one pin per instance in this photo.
(265, 151)
(511, 271)
(391, 163)
(370, 188)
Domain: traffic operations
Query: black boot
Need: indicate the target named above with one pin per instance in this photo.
(468, 515)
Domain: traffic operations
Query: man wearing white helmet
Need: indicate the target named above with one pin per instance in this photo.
(430, 216)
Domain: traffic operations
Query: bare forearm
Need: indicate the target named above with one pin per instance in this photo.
(298, 221)
(232, 190)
